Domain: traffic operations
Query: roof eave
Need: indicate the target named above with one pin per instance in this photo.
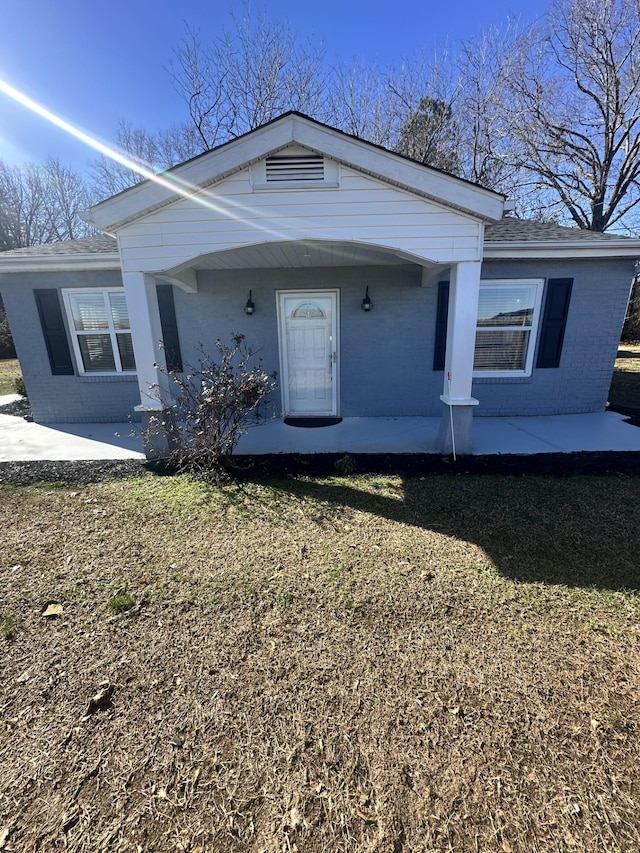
(48, 263)
(625, 248)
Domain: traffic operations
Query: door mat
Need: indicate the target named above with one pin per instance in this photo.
(312, 423)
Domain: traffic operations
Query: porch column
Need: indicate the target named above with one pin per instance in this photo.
(462, 318)
(146, 334)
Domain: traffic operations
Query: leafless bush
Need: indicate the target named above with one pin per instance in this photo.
(211, 406)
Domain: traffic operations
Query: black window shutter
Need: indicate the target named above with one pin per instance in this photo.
(554, 321)
(442, 313)
(169, 327)
(55, 336)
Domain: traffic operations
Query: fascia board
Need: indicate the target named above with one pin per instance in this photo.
(60, 263)
(627, 248)
(388, 166)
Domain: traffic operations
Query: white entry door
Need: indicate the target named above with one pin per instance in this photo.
(307, 326)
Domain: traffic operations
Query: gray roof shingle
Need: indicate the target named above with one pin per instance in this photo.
(99, 245)
(512, 230)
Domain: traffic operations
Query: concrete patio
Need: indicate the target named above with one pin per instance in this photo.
(21, 440)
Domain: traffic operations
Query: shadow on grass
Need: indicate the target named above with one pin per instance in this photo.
(625, 388)
(579, 531)
(625, 382)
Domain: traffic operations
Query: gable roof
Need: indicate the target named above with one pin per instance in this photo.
(196, 175)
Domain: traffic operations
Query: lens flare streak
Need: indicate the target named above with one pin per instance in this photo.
(172, 183)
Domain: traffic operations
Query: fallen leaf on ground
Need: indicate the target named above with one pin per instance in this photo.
(54, 609)
(365, 816)
(101, 701)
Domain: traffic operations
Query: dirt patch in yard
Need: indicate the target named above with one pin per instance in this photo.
(377, 663)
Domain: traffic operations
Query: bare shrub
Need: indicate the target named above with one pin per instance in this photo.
(211, 406)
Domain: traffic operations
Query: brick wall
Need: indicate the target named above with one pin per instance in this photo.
(596, 314)
(60, 399)
(386, 356)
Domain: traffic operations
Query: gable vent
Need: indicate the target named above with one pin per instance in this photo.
(295, 167)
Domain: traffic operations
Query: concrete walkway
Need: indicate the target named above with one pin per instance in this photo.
(24, 441)
(599, 432)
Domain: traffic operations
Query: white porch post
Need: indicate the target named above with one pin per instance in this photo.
(146, 333)
(462, 318)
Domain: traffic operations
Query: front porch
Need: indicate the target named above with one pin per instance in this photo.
(599, 432)
(593, 432)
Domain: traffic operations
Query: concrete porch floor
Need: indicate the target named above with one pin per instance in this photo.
(598, 432)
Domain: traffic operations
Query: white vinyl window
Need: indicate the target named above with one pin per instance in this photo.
(99, 323)
(508, 318)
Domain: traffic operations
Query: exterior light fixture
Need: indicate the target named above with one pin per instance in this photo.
(249, 308)
(367, 304)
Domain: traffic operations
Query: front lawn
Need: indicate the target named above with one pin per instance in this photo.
(9, 372)
(625, 385)
(343, 664)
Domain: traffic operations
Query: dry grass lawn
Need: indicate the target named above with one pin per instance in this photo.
(625, 385)
(9, 372)
(353, 664)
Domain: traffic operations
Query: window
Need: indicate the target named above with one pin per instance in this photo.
(508, 316)
(101, 333)
(308, 311)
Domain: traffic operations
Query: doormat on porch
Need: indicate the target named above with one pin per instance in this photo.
(312, 423)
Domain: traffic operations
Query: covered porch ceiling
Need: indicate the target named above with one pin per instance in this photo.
(296, 254)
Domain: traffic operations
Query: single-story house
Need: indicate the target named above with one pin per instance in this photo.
(375, 286)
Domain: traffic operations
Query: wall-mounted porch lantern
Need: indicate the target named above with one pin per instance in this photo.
(249, 308)
(367, 304)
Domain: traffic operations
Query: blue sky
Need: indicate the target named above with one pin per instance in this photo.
(97, 64)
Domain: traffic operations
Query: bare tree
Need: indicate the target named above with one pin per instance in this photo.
(429, 135)
(360, 102)
(576, 112)
(153, 152)
(549, 115)
(40, 204)
(241, 80)
(66, 196)
(485, 139)
(246, 77)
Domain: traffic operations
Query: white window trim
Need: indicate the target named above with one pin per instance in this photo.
(74, 333)
(534, 328)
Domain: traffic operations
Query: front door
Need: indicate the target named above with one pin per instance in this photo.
(307, 326)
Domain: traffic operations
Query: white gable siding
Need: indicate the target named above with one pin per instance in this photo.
(363, 210)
